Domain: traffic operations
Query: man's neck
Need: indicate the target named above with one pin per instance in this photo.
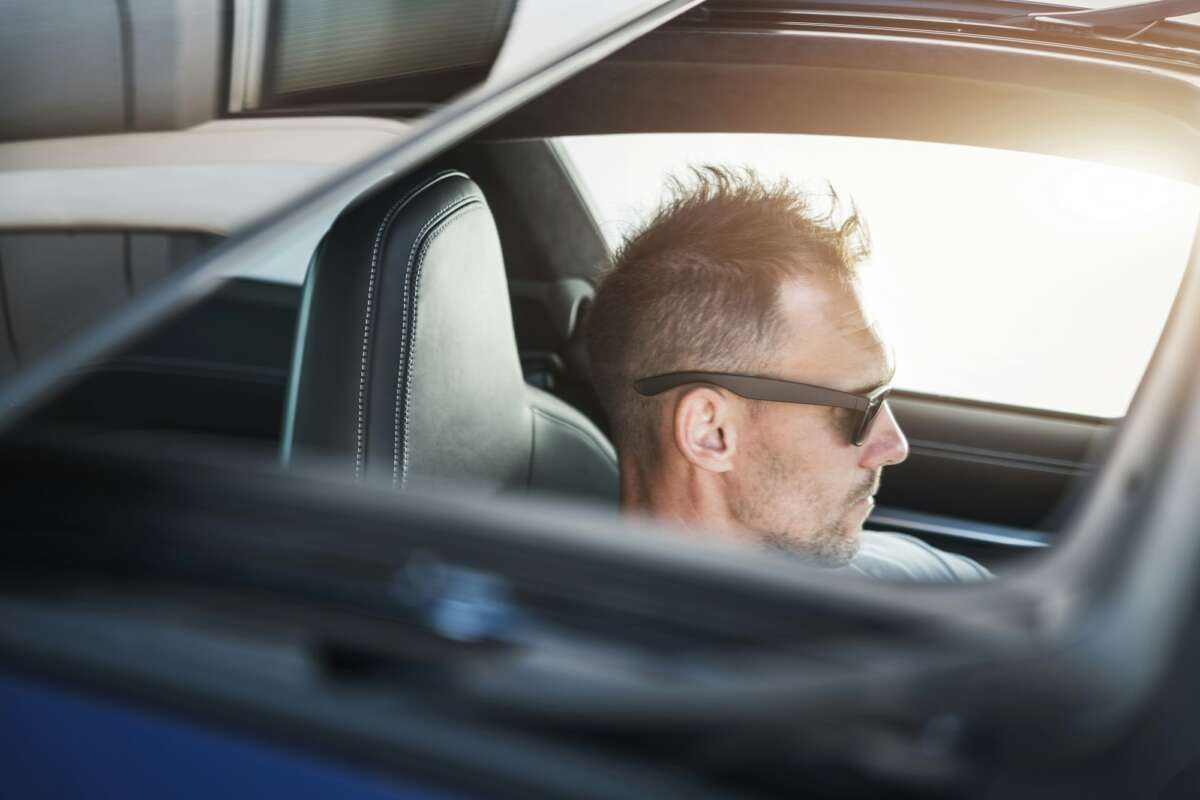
(675, 493)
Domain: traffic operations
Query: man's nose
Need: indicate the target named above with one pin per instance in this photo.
(886, 444)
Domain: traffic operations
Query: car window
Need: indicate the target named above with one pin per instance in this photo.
(1019, 279)
(78, 276)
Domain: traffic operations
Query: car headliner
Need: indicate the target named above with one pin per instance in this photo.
(213, 178)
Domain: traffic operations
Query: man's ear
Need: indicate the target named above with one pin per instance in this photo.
(705, 430)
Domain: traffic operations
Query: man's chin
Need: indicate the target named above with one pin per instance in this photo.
(832, 547)
(841, 552)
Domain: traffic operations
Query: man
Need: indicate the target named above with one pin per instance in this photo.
(784, 432)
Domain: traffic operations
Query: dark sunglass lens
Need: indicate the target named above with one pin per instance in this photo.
(868, 417)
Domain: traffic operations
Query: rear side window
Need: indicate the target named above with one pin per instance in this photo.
(1006, 277)
(54, 282)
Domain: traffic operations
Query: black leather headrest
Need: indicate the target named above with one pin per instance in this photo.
(406, 363)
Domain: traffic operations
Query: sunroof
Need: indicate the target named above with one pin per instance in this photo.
(1191, 19)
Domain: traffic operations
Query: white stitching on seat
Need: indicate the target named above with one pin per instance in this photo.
(362, 374)
(469, 203)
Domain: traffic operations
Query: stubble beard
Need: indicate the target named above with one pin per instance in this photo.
(833, 543)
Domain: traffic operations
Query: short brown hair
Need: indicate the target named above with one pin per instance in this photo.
(697, 286)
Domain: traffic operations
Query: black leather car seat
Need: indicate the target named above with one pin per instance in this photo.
(406, 363)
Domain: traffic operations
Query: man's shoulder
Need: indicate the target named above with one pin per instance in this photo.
(899, 557)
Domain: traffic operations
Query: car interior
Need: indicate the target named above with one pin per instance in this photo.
(428, 332)
(986, 480)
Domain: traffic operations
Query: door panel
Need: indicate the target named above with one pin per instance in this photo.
(218, 369)
(991, 480)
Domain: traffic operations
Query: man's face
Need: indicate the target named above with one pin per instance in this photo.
(799, 481)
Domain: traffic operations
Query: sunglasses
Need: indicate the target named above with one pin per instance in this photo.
(778, 391)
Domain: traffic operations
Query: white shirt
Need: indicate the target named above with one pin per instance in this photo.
(898, 557)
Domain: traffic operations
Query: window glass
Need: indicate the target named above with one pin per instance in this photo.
(55, 282)
(1007, 277)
